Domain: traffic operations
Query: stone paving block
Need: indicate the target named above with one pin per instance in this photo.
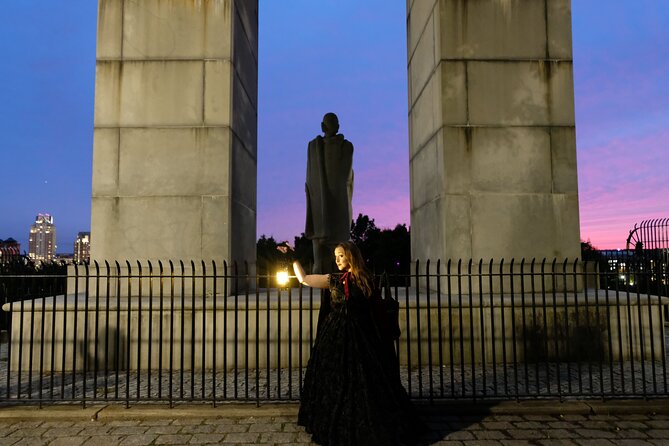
(529, 425)
(31, 442)
(231, 428)
(630, 433)
(8, 441)
(460, 435)
(563, 425)
(248, 420)
(265, 427)
(67, 441)
(658, 424)
(624, 424)
(496, 425)
(526, 434)
(506, 418)
(482, 443)
(448, 443)
(517, 443)
(62, 432)
(173, 439)
(165, 429)
(138, 440)
(97, 429)
(291, 427)
(188, 421)
(629, 442)
(590, 424)
(489, 435)
(116, 423)
(594, 442)
(636, 417)
(658, 433)
(302, 437)
(102, 440)
(129, 430)
(221, 420)
(561, 433)
(596, 433)
(197, 429)
(277, 437)
(7, 429)
(155, 422)
(572, 417)
(557, 442)
(28, 432)
(24, 424)
(661, 416)
(206, 438)
(58, 424)
(241, 437)
(282, 419)
(604, 418)
(545, 418)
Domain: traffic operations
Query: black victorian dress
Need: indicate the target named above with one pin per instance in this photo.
(352, 394)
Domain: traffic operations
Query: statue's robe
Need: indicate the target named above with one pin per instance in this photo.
(329, 189)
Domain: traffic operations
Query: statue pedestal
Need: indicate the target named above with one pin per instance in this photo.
(275, 330)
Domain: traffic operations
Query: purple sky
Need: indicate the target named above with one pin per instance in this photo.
(346, 56)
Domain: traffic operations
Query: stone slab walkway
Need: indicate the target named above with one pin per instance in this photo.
(544, 423)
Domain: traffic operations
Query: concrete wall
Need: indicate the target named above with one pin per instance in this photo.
(277, 330)
(491, 124)
(175, 150)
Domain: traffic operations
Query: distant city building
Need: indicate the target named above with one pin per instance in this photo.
(42, 241)
(82, 247)
(64, 257)
(8, 249)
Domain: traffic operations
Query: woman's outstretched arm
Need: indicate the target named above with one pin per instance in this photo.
(312, 280)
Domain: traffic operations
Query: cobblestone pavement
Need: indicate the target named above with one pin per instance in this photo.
(534, 425)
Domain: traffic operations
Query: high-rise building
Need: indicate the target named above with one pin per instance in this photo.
(82, 247)
(42, 241)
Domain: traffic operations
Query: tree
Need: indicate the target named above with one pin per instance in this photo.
(383, 249)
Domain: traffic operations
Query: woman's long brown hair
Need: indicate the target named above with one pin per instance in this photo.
(358, 270)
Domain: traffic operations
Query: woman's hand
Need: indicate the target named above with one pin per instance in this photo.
(312, 280)
(285, 247)
(299, 271)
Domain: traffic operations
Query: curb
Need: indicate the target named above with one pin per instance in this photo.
(236, 410)
(550, 407)
(144, 412)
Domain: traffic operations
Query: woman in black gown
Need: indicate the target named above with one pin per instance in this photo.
(352, 394)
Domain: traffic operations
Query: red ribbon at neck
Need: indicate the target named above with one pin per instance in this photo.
(345, 278)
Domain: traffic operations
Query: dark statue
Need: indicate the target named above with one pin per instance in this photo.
(329, 188)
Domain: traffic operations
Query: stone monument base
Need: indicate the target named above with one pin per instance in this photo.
(274, 329)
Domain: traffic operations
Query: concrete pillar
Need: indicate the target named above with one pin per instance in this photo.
(492, 135)
(175, 148)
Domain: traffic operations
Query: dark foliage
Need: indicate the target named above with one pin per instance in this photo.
(270, 260)
(384, 249)
(22, 278)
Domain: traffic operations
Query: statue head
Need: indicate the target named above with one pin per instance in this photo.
(330, 124)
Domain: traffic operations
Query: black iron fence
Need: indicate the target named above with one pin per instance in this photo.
(172, 332)
(23, 278)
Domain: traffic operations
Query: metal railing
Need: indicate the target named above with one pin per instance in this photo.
(137, 332)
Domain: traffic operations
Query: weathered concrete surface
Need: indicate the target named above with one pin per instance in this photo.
(175, 150)
(492, 136)
(277, 329)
